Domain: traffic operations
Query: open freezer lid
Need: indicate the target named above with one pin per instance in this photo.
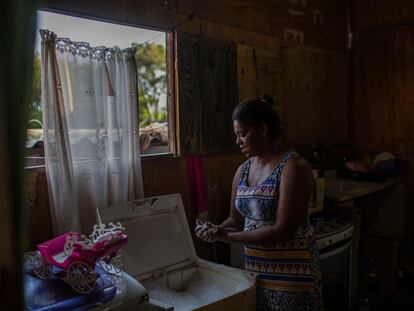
(159, 238)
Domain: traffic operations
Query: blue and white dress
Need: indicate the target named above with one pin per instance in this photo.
(288, 273)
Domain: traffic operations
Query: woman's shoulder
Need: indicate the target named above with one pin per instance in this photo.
(295, 162)
(242, 167)
(298, 173)
(284, 156)
(246, 162)
(241, 173)
(292, 154)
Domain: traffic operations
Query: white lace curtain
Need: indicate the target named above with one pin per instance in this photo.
(91, 128)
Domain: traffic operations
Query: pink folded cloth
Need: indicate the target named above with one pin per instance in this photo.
(196, 184)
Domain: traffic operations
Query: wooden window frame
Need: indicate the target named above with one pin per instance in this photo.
(172, 100)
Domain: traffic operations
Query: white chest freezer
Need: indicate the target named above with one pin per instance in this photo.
(160, 254)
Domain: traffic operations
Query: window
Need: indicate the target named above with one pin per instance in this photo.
(153, 59)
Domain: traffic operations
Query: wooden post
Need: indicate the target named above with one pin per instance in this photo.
(16, 62)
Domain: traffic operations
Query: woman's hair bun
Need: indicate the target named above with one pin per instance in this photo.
(259, 111)
(268, 99)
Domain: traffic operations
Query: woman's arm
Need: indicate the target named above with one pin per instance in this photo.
(234, 223)
(295, 189)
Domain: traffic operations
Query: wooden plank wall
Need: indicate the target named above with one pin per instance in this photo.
(37, 209)
(315, 82)
(383, 97)
(317, 22)
(189, 93)
(207, 94)
(218, 87)
(371, 14)
(277, 42)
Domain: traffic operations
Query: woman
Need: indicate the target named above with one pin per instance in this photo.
(269, 213)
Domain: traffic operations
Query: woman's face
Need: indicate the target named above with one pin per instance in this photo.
(248, 138)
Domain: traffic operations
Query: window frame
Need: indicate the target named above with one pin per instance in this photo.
(171, 94)
(172, 101)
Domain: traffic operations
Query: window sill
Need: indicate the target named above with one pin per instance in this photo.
(157, 150)
(157, 155)
(35, 159)
(37, 169)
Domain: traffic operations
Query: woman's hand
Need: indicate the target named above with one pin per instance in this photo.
(205, 230)
(209, 232)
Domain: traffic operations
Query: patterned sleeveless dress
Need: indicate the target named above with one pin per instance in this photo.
(288, 273)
